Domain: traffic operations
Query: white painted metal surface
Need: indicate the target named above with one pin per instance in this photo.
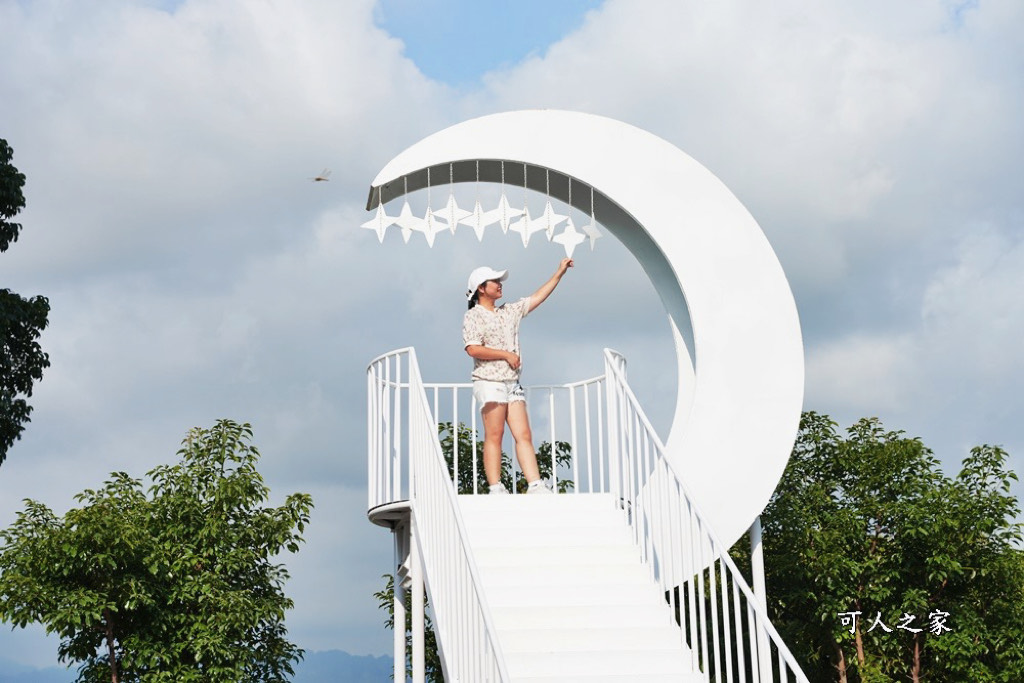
(739, 400)
(730, 635)
(570, 599)
(617, 455)
(438, 547)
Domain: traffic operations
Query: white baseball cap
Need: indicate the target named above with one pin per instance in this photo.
(482, 275)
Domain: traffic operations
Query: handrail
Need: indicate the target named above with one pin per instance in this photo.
(682, 551)
(465, 630)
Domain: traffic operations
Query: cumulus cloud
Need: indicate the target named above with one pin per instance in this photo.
(196, 272)
(873, 144)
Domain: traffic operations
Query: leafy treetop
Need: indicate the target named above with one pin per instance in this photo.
(174, 582)
(22, 320)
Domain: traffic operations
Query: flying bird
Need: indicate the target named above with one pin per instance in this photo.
(324, 176)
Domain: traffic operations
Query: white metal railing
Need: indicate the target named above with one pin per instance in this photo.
(465, 632)
(571, 414)
(723, 624)
(612, 448)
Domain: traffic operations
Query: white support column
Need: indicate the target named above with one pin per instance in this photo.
(400, 533)
(760, 592)
(418, 619)
(757, 561)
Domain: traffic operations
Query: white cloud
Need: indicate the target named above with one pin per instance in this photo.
(195, 272)
(860, 374)
(973, 309)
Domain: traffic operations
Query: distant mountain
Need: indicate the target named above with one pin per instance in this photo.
(16, 673)
(330, 666)
(338, 666)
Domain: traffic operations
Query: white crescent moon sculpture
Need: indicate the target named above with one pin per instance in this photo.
(739, 401)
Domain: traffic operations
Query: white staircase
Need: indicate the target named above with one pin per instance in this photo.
(570, 598)
(567, 587)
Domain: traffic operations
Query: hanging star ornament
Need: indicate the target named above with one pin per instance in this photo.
(429, 227)
(507, 213)
(591, 231)
(478, 219)
(380, 222)
(569, 238)
(522, 226)
(547, 221)
(408, 222)
(451, 214)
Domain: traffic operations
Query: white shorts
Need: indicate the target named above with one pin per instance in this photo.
(497, 392)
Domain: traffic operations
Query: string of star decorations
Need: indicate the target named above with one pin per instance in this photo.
(451, 216)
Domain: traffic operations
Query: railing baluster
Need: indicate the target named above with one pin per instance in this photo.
(726, 622)
(755, 644)
(741, 666)
(455, 439)
(716, 645)
(573, 443)
(554, 442)
(702, 630)
(691, 578)
(476, 456)
(436, 412)
(586, 432)
(398, 423)
(601, 427)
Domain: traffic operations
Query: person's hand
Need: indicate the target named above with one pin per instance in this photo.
(564, 265)
(513, 360)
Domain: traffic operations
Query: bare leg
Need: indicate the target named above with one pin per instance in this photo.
(519, 425)
(494, 429)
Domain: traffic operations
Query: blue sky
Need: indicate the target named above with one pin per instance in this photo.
(195, 272)
(457, 41)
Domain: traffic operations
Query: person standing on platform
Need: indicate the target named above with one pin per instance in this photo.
(491, 336)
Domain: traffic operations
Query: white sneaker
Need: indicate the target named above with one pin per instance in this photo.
(498, 490)
(538, 487)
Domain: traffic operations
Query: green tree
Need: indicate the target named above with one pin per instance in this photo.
(174, 582)
(22, 360)
(869, 524)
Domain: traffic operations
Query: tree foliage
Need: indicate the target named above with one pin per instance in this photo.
(22, 320)
(172, 583)
(869, 524)
(12, 199)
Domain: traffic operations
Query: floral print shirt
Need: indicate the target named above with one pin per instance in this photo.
(497, 329)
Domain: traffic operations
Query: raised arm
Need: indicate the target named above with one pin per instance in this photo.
(538, 297)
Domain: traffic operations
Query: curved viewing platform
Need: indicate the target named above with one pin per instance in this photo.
(571, 416)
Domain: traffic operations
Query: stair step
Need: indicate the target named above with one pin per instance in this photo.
(548, 537)
(579, 616)
(593, 501)
(568, 594)
(542, 575)
(640, 638)
(611, 678)
(588, 663)
(581, 557)
(550, 507)
(575, 595)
